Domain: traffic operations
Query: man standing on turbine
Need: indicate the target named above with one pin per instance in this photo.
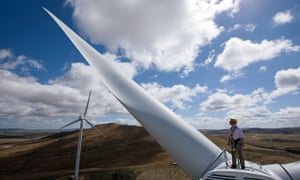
(236, 141)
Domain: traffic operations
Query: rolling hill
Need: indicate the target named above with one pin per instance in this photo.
(127, 152)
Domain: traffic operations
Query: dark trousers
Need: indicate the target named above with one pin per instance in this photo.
(237, 148)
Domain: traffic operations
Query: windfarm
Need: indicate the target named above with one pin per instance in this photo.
(138, 90)
(199, 157)
(127, 151)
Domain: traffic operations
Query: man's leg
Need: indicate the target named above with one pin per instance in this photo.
(233, 155)
(239, 148)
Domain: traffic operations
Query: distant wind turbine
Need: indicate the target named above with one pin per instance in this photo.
(80, 119)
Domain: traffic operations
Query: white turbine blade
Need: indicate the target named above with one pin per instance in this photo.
(73, 122)
(192, 151)
(87, 104)
(96, 129)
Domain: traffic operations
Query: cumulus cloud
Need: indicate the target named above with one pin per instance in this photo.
(251, 109)
(221, 101)
(283, 17)
(9, 61)
(286, 81)
(166, 34)
(250, 115)
(287, 78)
(5, 53)
(259, 116)
(262, 117)
(24, 98)
(289, 114)
(205, 122)
(239, 53)
(176, 94)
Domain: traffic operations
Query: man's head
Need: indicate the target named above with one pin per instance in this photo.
(233, 121)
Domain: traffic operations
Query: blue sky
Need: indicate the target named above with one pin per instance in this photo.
(208, 60)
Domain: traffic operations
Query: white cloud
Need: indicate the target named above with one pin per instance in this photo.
(176, 94)
(5, 53)
(11, 62)
(252, 109)
(262, 68)
(166, 34)
(286, 81)
(26, 99)
(210, 58)
(249, 112)
(248, 116)
(235, 27)
(130, 122)
(287, 78)
(259, 116)
(262, 117)
(222, 101)
(226, 78)
(206, 122)
(250, 28)
(289, 114)
(239, 53)
(231, 76)
(283, 17)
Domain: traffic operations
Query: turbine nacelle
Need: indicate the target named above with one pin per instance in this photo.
(83, 118)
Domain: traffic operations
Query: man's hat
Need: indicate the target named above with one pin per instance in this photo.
(234, 120)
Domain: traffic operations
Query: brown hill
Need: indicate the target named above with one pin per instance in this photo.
(54, 156)
(127, 152)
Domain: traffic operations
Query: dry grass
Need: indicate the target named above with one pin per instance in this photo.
(127, 152)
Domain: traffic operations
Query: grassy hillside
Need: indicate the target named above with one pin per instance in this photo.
(127, 152)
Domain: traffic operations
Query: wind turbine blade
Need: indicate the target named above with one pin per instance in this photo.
(96, 129)
(87, 104)
(73, 122)
(192, 151)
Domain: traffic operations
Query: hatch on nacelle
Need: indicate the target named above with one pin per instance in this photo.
(237, 174)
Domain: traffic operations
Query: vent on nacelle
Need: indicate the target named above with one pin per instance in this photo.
(215, 176)
(220, 177)
(253, 178)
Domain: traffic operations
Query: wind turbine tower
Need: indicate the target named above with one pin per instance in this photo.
(81, 119)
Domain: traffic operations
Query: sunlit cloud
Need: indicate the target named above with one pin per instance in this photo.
(165, 34)
(239, 53)
(283, 17)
